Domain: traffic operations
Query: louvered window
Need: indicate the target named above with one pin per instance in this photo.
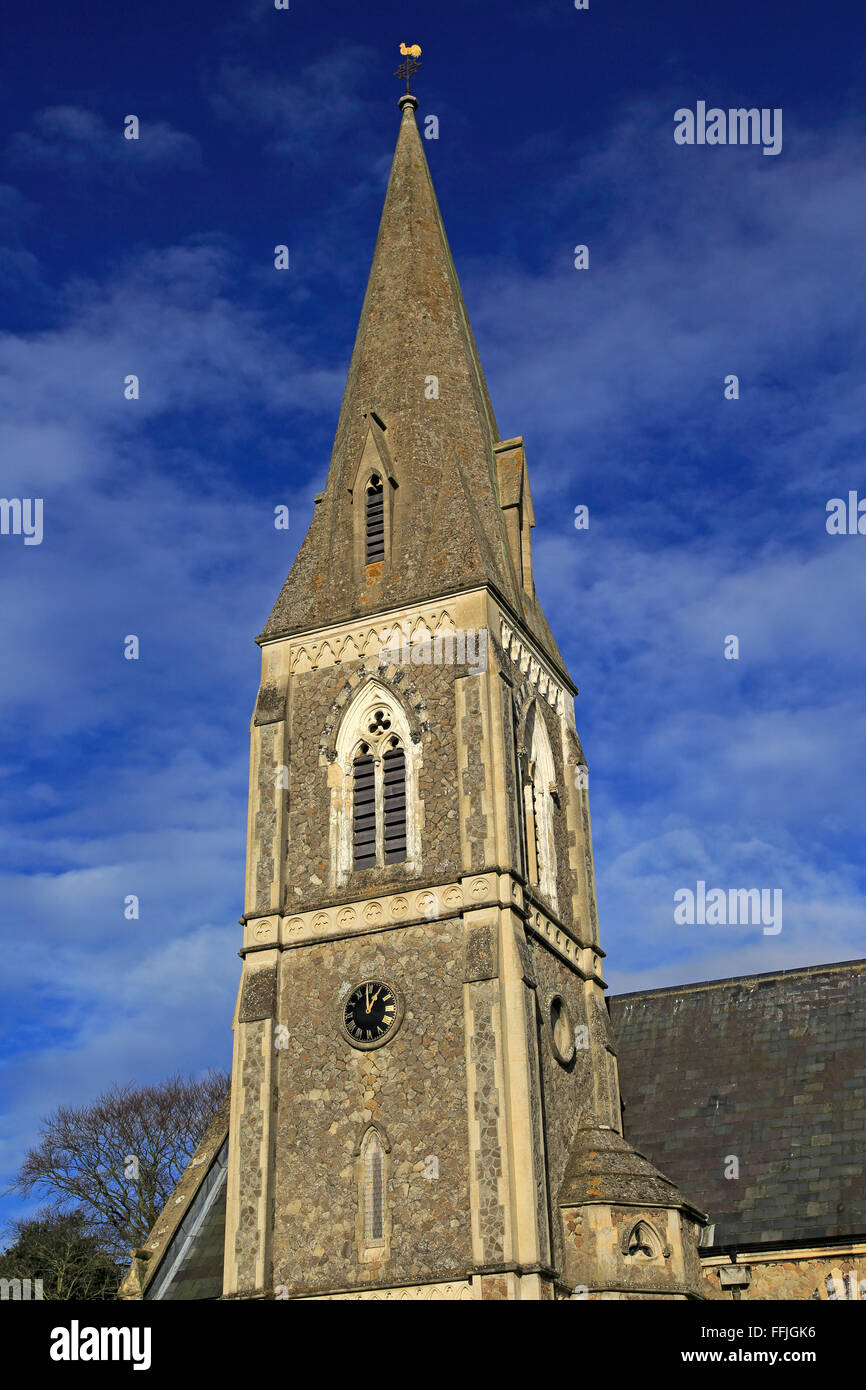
(364, 811)
(375, 520)
(376, 806)
(394, 766)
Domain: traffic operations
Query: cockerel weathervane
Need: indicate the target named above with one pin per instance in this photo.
(412, 54)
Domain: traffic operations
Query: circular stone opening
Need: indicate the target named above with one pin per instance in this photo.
(561, 1029)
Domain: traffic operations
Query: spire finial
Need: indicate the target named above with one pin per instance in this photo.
(412, 54)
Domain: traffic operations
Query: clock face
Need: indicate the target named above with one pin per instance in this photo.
(370, 1012)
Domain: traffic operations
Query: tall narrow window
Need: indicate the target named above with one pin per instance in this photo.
(373, 1194)
(375, 520)
(364, 809)
(394, 778)
(541, 842)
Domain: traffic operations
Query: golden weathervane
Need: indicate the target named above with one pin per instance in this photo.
(412, 54)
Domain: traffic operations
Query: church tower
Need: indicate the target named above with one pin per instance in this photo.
(425, 1100)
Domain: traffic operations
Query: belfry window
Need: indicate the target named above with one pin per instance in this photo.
(375, 811)
(375, 520)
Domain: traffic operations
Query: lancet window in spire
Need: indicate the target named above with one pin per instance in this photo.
(375, 520)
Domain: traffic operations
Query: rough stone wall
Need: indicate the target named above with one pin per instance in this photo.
(546, 1219)
(473, 775)
(248, 1236)
(565, 866)
(793, 1277)
(327, 1093)
(487, 1118)
(567, 1090)
(504, 693)
(597, 1238)
(265, 817)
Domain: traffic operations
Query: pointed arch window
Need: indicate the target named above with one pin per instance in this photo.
(373, 490)
(373, 1218)
(374, 496)
(373, 1193)
(376, 812)
(540, 793)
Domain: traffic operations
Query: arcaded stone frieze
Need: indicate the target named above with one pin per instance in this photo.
(439, 902)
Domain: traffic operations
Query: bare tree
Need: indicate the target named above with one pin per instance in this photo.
(60, 1251)
(118, 1160)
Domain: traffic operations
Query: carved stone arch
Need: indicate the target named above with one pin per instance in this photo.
(375, 455)
(359, 720)
(524, 698)
(413, 707)
(364, 1130)
(641, 1241)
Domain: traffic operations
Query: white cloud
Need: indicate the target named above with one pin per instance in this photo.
(79, 141)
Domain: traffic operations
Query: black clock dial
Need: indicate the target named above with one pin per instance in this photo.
(370, 1011)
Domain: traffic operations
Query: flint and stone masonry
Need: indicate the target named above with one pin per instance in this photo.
(502, 1171)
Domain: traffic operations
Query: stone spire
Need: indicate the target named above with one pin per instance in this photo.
(439, 451)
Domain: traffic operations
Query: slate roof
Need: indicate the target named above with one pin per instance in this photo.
(448, 531)
(769, 1068)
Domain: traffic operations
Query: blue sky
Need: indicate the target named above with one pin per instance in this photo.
(707, 516)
